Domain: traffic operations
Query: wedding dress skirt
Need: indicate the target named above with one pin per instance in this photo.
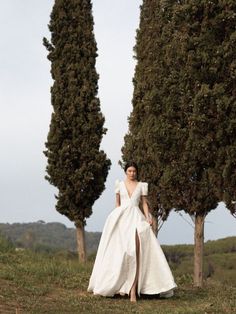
(115, 264)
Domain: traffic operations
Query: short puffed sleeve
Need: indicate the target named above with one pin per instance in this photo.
(144, 188)
(117, 186)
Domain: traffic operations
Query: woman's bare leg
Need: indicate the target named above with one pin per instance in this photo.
(134, 286)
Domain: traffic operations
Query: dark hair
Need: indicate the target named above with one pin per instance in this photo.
(131, 164)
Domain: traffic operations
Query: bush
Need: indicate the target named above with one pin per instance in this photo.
(6, 245)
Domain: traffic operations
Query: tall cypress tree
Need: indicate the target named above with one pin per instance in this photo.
(209, 53)
(76, 165)
(148, 136)
(182, 88)
(225, 89)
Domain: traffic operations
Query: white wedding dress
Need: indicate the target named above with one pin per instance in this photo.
(115, 264)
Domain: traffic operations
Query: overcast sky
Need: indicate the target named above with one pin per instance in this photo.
(25, 114)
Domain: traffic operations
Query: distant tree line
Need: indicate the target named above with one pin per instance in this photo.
(40, 236)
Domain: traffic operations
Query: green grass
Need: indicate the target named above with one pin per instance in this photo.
(55, 283)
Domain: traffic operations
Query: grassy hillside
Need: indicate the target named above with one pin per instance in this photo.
(219, 255)
(219, 259)
(32, 282)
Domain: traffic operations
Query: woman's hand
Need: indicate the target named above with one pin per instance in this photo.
(147, 214)
(149, 220)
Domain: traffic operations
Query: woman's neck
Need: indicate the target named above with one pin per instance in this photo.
(130, 180)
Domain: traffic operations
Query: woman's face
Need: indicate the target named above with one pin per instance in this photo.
(131, 173)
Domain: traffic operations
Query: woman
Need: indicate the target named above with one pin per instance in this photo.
(129, 258)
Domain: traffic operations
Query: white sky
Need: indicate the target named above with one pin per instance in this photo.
(25, 114)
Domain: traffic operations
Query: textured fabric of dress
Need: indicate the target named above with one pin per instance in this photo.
(115, 264)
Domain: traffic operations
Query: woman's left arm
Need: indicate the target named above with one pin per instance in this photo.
(146, 209)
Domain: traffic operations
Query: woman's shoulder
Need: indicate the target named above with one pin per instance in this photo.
(143, 183)
(117, 185)
(144, 187)
(118, 181)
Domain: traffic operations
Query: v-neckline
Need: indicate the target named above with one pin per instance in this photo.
(129, 196)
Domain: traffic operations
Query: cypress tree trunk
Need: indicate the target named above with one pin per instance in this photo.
(198, 250)
(80, 236)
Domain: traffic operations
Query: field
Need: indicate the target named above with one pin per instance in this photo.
(32, 282)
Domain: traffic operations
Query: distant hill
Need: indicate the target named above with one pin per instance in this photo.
(56, 236)
(42, 236)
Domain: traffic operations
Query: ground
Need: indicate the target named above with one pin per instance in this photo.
(53, 283)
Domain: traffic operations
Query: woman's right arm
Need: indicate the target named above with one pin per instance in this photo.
(117, 191)
(117, 199)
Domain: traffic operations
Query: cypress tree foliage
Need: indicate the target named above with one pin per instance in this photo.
(209, 93)
(178, 131)
(225, 89)
(76, 165)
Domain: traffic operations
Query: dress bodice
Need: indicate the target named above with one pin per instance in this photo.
(140, 189)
